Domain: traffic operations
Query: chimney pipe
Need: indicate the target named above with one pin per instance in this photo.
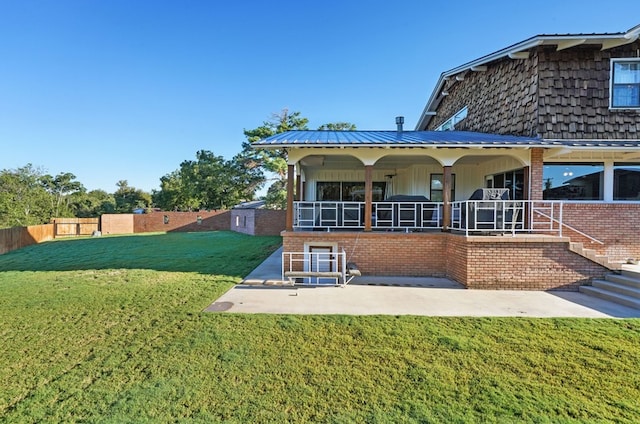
(399, 122)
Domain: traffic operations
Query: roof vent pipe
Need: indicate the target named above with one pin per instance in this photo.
(399, 123)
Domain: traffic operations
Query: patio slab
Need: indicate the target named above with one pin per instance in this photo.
(263, 292)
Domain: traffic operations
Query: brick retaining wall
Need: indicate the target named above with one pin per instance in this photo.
(513, 263)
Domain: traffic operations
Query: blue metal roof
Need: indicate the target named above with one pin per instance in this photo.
(422, 138)
(393, 138)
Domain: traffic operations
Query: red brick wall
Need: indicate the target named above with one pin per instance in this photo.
(258, 222)
(182, 221)
(527, 265)
(617, 225)
(399, 254)
(269, 222)
(539, 263)
(536, 182)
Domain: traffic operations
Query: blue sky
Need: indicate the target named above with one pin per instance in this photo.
(126, 90)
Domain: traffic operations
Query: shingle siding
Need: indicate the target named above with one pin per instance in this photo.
(553, 94)
(573, 97)
(501, 100)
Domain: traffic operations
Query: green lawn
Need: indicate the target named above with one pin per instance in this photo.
(111, 329)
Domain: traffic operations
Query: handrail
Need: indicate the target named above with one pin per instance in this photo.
(569, 227)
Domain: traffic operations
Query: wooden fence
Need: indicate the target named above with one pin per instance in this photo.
(73, 227)
(18, 237)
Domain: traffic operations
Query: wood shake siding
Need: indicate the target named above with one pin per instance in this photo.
(574, 94)
(501, 100)
(552, 94)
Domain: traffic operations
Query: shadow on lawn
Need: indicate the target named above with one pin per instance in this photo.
(218, 252)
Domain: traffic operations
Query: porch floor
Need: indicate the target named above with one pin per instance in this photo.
(264, 292)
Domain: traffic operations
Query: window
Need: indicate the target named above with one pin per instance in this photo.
(626, 181)
(573, 181)
(450, 124)
(339, 191)
(625, 83)
(513, 180)
(437, 186)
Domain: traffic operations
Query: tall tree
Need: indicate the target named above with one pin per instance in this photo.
(23, 199)
(129, 198)
(60, 187)
(92, 204)
(209, 182)
(273, 161)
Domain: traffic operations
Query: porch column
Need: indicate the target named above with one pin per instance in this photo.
(526, 193)
(290, 187)
(446, 198)
(535, 174)
(298, 195)
(368, 196)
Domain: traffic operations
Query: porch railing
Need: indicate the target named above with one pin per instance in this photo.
(406, 216)
(470, 217)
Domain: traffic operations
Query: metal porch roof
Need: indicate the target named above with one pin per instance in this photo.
(395, 139)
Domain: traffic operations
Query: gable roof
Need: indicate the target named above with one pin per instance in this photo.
(521, 50)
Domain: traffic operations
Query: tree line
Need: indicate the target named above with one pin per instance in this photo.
(29, 196)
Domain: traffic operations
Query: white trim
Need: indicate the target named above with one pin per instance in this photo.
(612, 61)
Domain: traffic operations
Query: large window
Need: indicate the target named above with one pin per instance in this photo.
(513, 180)
(437, 187)
(626, 181)
(342, 191)
(573, 181)
(625, 83)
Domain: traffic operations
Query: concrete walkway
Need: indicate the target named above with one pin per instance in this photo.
(262, 292)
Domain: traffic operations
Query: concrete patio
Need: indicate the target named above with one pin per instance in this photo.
(263, 292)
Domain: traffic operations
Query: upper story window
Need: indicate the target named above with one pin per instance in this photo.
(450, 124)
(625, 83)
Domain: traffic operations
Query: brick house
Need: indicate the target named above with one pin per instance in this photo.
(523, 172)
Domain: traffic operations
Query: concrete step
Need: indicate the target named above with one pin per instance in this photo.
(619, 288)
(621, 299)
(631, 271)
(624, 280)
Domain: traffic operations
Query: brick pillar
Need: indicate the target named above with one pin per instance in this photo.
(535, 174)
(446, 198)
(290, 187)
(368, 196)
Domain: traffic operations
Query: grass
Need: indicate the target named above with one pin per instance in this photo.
(111, 330)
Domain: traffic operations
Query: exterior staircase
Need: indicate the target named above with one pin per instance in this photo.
(594, 256)
(622, 288)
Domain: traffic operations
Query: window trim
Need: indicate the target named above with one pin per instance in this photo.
(612, 63)
(453, 120)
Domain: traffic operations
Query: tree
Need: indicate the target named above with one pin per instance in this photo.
(92, 204)
(23, 199)
(273, 161)
(337, 126)
(209, 182)
(129, 198)
(60, 187)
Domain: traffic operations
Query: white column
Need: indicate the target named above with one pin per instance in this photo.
(607, 181)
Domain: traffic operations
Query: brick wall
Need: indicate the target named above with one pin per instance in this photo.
(382, 254)
(182, 221)
(534, 263)
(258, 222)
(617, 225)
(269, 222)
